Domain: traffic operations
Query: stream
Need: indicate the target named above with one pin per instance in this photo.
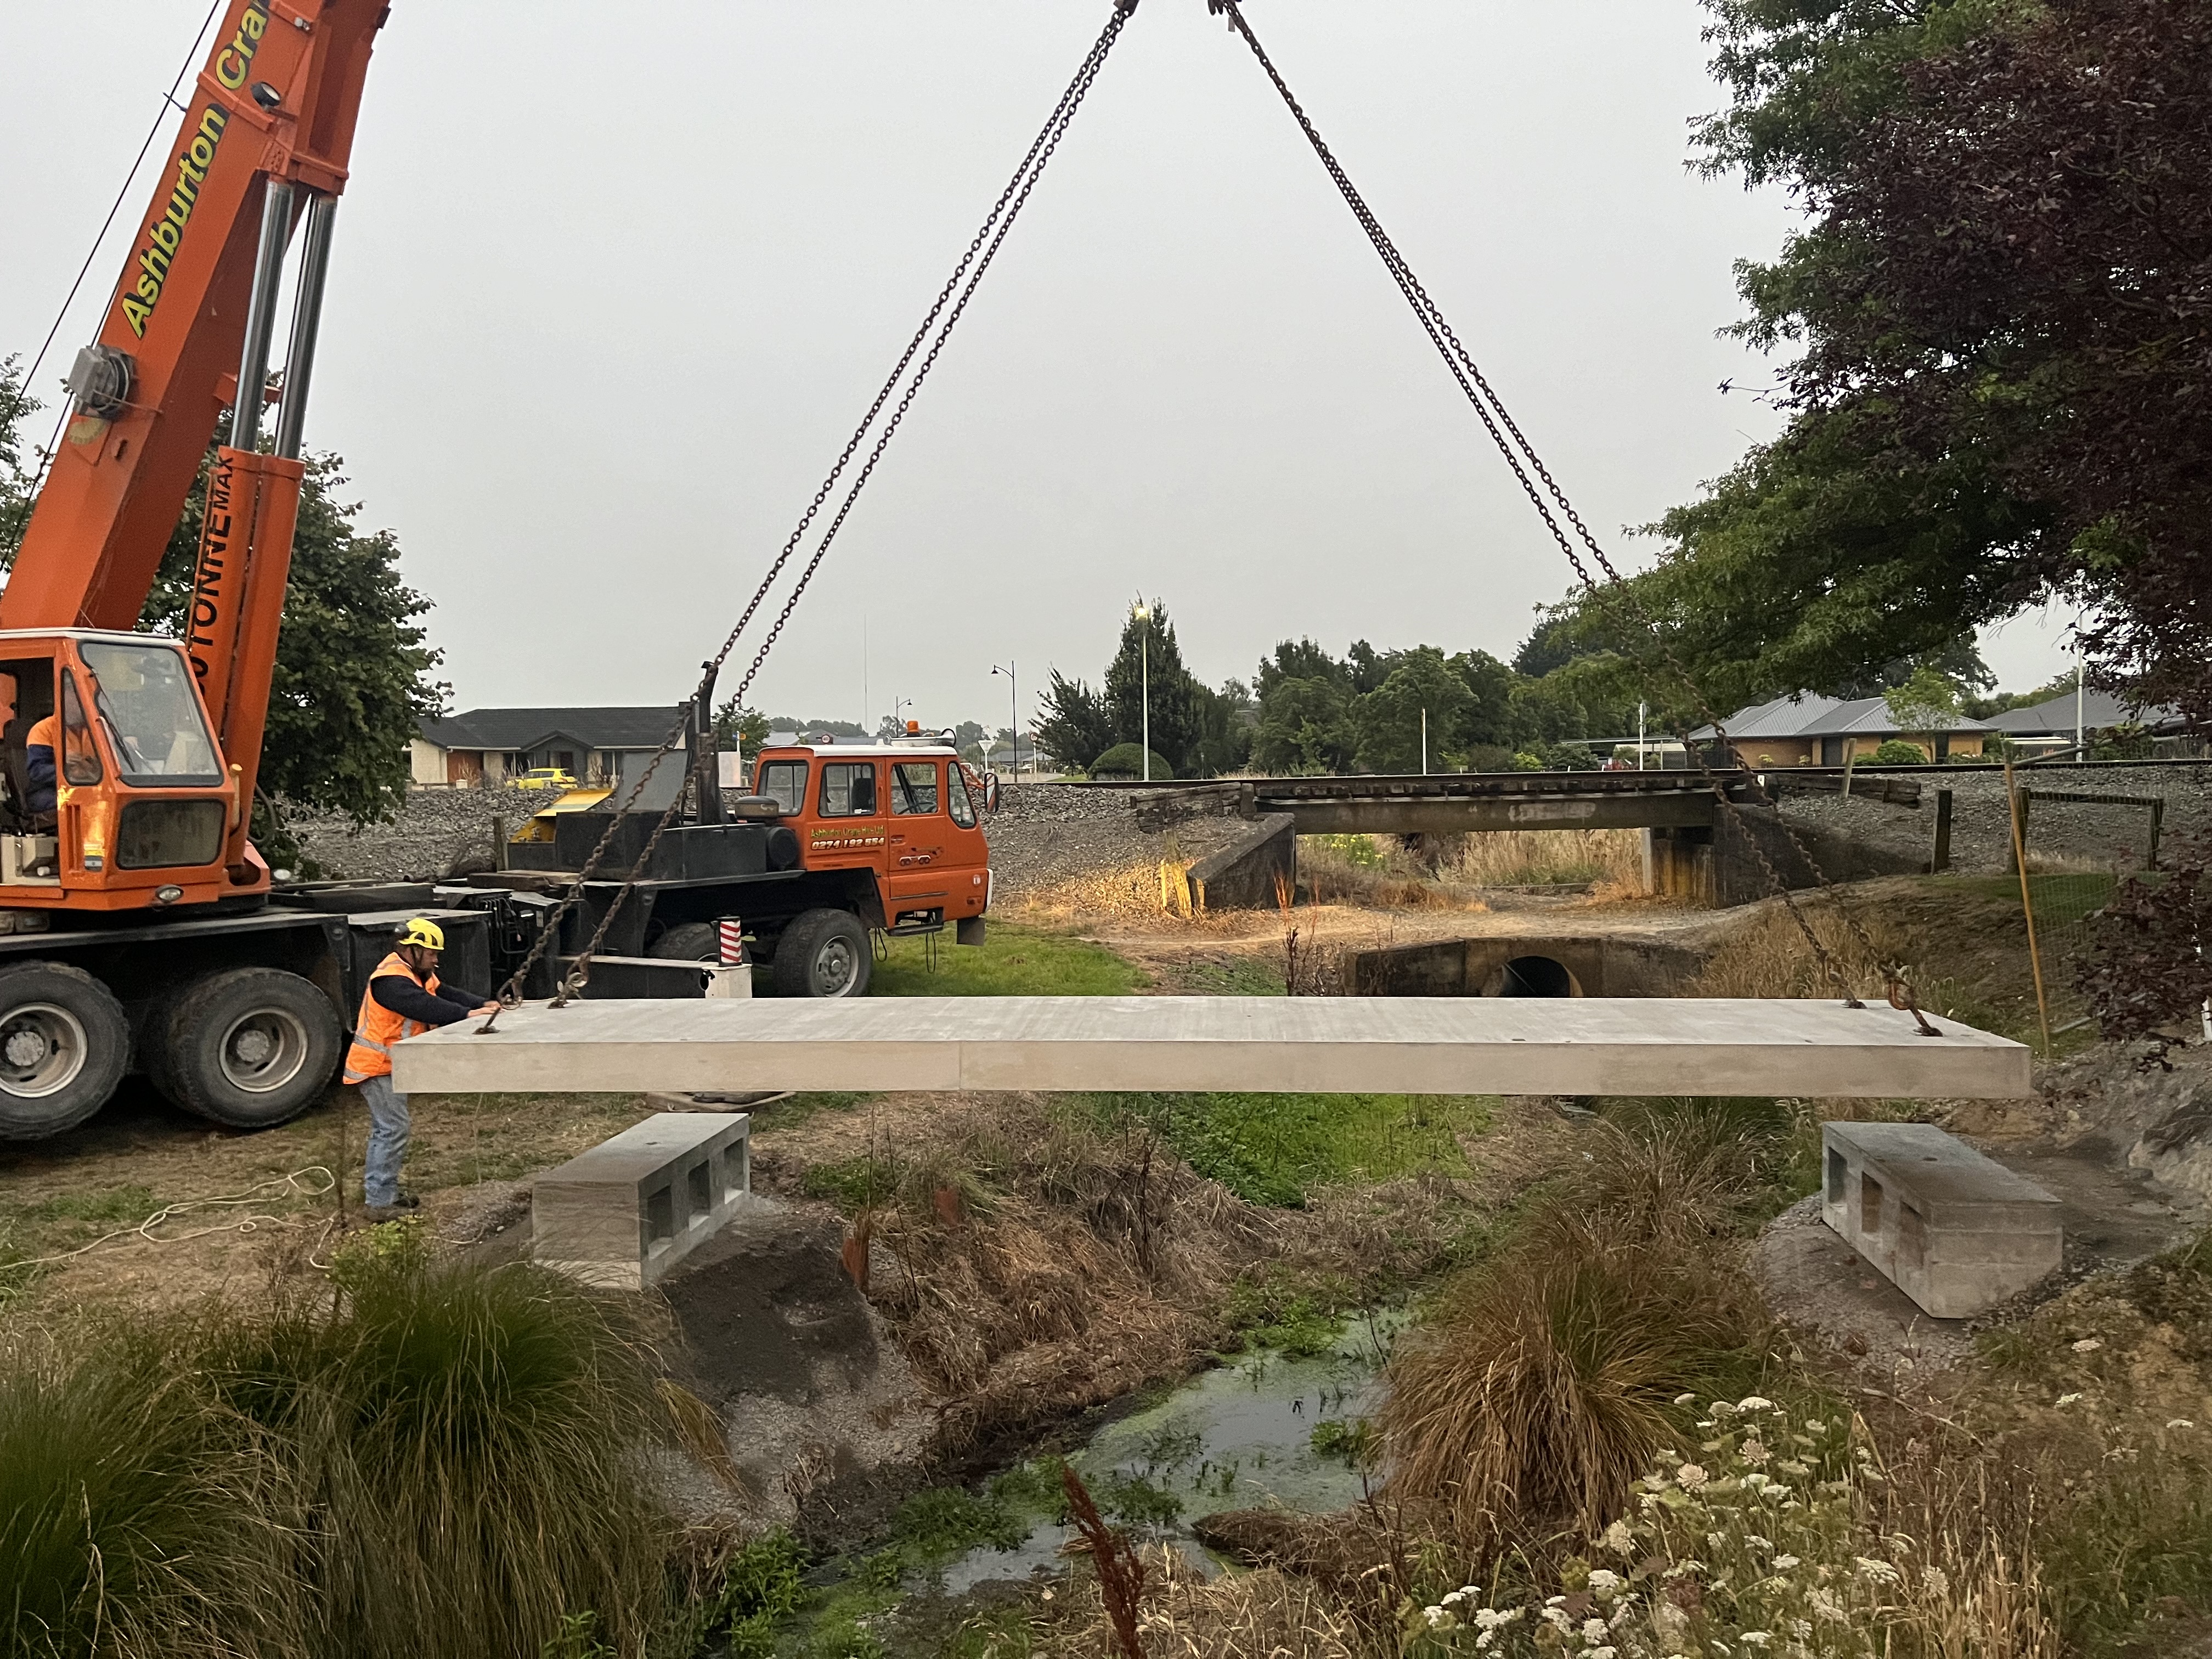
(1241, 1435)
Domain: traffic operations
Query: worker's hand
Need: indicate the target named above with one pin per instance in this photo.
(489, 1008)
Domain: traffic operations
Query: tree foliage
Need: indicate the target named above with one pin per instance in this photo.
(353, 667)
(2000, 291)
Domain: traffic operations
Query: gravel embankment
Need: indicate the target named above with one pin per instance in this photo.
(438, 832)
(1042, 835)
(1981, 828)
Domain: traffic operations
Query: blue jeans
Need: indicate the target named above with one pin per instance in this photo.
(387, 1141)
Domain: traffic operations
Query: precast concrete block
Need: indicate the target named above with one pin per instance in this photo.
(623, 1213)
(1955, 1230)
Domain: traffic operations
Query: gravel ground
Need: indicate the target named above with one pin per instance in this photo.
(1044, 835)
(1981, 829)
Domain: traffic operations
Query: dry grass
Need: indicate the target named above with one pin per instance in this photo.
(1267, 1615)
(1527, 857)
(1768, 955)
(1129, 892)
(1076, 1266)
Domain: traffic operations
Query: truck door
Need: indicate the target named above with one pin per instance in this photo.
(966, 860)
(914, 877)
(847, 833)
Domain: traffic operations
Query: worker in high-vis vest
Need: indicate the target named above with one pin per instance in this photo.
(403, 999)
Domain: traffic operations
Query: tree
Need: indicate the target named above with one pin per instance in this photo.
(1550, 644)
(353, 670)
(2000, 295)
(1388, 720)
(1926, 703)
(744, 730)
(1149, 653)
(1299, 659)
(1074, 728)
(16, 406)
(1306, 726)
(1486, 721)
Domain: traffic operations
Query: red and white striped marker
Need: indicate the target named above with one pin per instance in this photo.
(730, 935)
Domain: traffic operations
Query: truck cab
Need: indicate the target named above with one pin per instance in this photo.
(896, 826)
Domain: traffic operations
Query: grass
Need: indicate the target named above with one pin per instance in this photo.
(1276, 1149)
(419, 1460)
(1015, 962)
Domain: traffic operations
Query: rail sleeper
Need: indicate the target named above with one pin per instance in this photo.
(1955, 1230)
(626, 1211)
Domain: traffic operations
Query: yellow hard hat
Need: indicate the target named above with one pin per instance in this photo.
(427, 934)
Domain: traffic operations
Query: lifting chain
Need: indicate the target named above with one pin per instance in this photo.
(981, 250)
(1614, 593)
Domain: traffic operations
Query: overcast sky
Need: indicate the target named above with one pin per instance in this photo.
(612, 284)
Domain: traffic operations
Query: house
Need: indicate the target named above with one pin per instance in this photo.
(2049, 727)
(487, 746)
(1806, 730)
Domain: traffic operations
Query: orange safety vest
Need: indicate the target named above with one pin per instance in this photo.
(377, 1028)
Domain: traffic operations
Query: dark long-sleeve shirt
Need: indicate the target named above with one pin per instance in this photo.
(411, 1001)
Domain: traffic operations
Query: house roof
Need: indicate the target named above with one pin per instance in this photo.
(518, 730)
(2100, 709)
(1807, 716)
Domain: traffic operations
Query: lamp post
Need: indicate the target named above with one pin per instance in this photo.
(1143, 613)
(1013, 712)
(1425, 743)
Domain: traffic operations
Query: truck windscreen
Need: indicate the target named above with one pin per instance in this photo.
(144, 693)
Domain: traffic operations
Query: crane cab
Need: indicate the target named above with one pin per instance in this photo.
(117, 797)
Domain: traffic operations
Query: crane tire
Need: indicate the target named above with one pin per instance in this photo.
(825, 953)
(688, 941)
(248, 1047)
(64, 1044)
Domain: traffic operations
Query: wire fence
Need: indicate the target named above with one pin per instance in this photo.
(2071, 849)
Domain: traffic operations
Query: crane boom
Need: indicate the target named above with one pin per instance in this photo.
(271, 119)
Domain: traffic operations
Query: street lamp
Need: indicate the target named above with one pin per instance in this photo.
(1014, 712)
(1143, 613)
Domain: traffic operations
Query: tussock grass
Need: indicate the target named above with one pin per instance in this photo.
(1768, 957)
(416, 1461)
(1539, 1387)
(137, 1515)
(1267, 1615)
(1530, 858)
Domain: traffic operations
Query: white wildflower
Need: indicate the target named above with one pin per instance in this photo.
(1593, 1629)
(1599, 1652)
(1602, 1583)
(1753, 1403)
(1453, 1598)
(1684, 1399)
(1722, 1408)
(2068, 1399)
(2088, 1345)
(1756, 1638)
(1491, 1618)
(2179, 1423)
(1792, 1467)
(1800, 1628)
(1876, 1569)
(1786, 1562)
(1827, 1605)
(1754, 1451)
(1553, 1601)
(1438, 1617)
(1686, 1567)
(1705, 1422)
(1756, 1542)
(1691, 1476)
(1937, 1581)
(1716, 1542)
(1484, 1639)
(1814, 1425)
(1619, 1539)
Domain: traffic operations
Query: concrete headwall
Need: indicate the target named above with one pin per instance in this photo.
(1603, 965)
(1242, 876)
(1723, 865)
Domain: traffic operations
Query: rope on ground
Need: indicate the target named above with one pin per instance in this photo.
(295, 1184)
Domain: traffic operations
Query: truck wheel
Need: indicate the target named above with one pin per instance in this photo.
(64, 1044)
(248, 1047)
(688, 941)
(823, 953)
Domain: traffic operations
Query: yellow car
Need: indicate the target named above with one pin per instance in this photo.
(543, 777)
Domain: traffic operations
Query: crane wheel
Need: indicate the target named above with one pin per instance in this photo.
(823, 953)
(248, 1047)
(64, 1044)
(688, 941)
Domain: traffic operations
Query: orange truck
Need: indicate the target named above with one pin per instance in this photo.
(139, 927)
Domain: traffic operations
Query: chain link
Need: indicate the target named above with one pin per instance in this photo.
(1491, 410)
(970, 268)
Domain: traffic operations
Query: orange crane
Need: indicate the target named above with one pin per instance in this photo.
(137, 924)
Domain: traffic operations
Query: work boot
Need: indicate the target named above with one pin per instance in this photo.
(400, 1205)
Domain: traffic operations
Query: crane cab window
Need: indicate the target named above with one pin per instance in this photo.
(848, 789)
(80, 756)
(783, 781)
(914, 788)
(956, 796)
(143, 697)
